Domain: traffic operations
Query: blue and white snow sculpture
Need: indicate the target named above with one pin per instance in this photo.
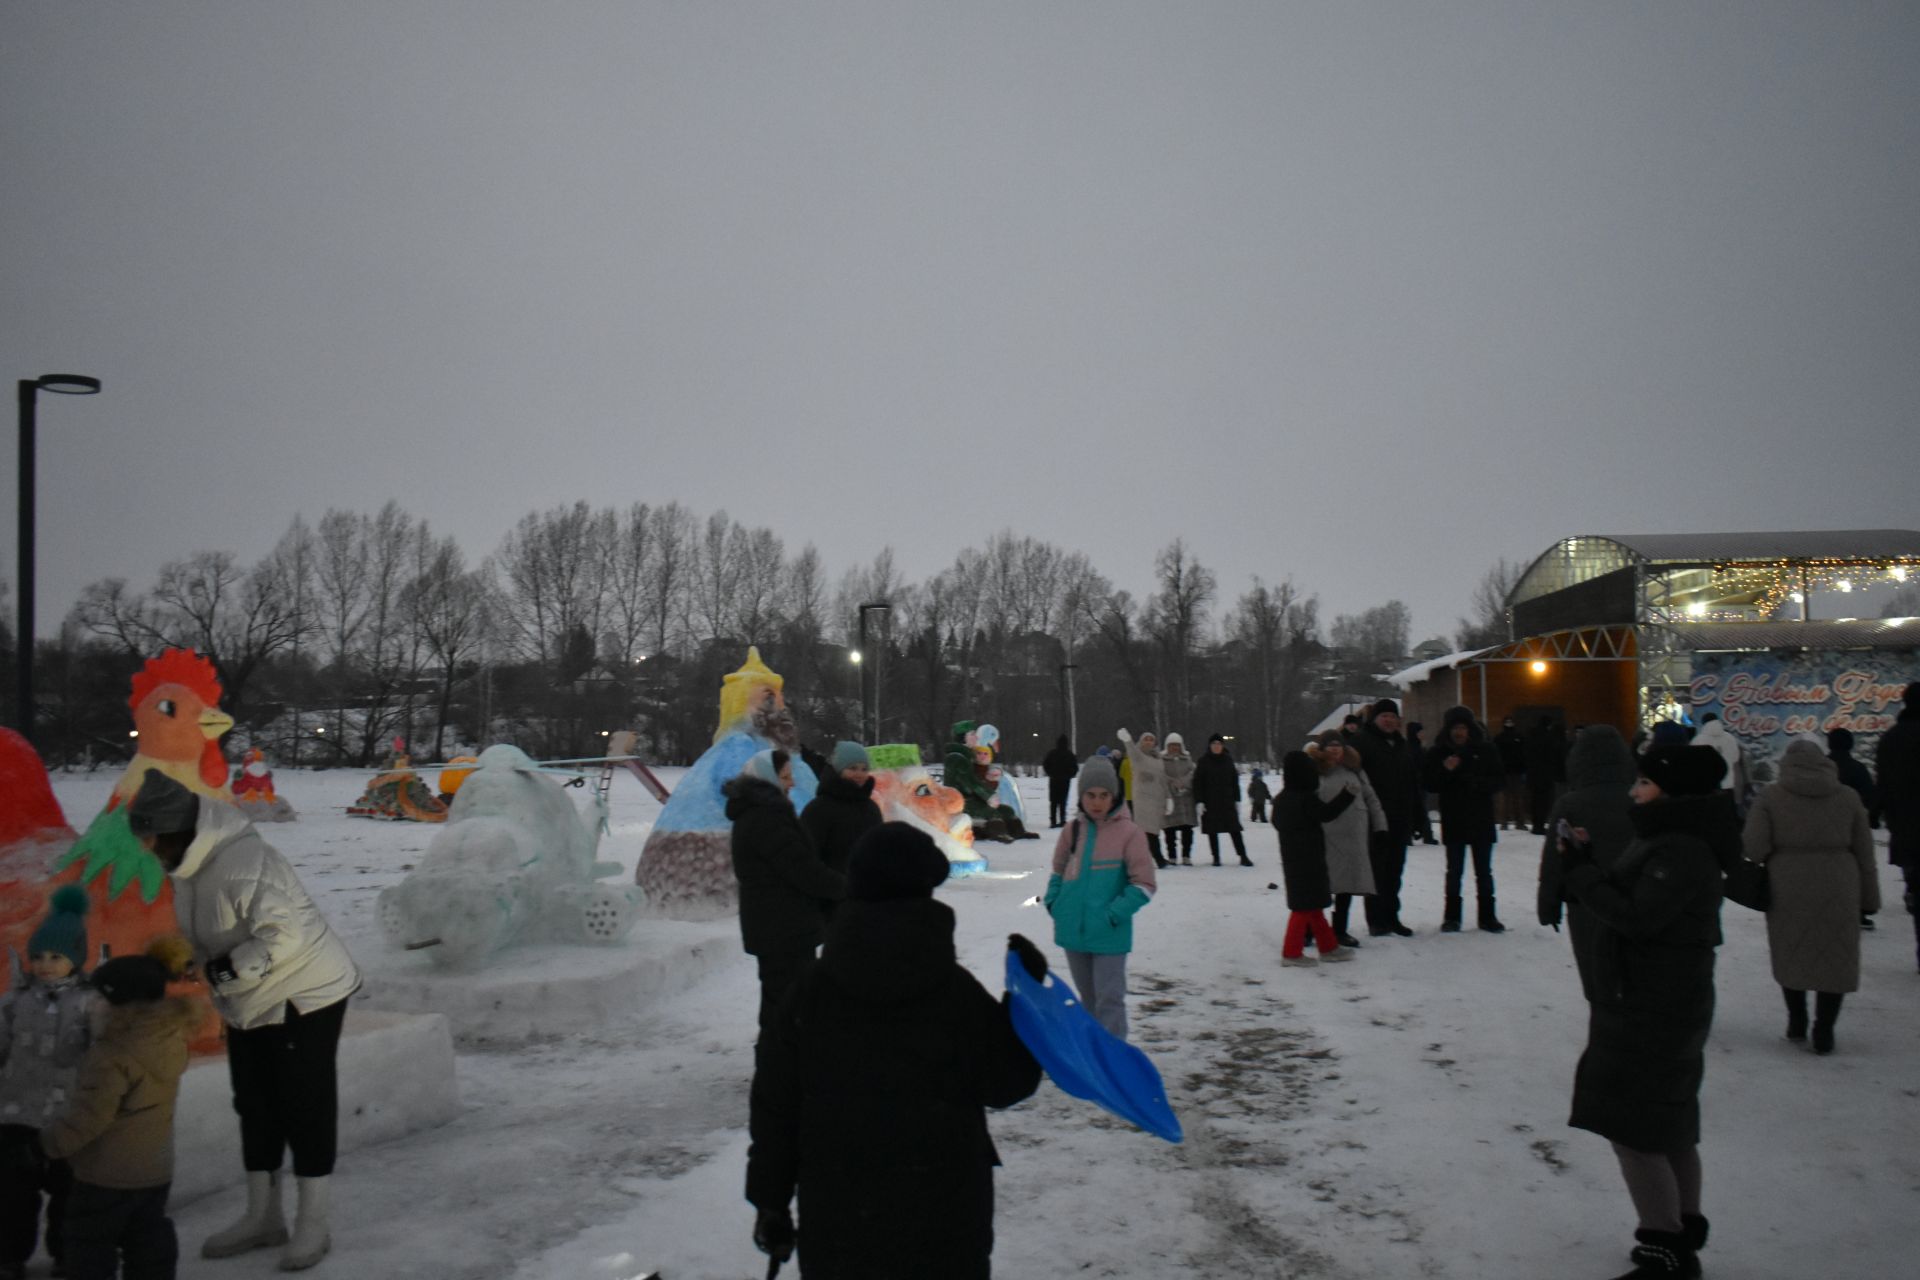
(514, 864)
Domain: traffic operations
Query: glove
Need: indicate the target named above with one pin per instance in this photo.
(773, 1233)
(1124, 736)
(1030, 958)
(220, 971)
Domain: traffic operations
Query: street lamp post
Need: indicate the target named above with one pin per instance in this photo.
(1073, 719)
(870, 676)
(66, 384)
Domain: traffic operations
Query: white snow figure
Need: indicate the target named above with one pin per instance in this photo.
(514, 864)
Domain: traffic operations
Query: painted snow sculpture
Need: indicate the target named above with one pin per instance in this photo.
(514, 864)
(253, 792)
(970, 770)
(685, 866)
(906, 791)
(178, 724)
(400, 795)
(453, 775)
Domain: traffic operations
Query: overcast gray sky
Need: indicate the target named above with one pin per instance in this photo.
(1366, 294)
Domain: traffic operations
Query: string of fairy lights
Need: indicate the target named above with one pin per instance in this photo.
(1776, 583)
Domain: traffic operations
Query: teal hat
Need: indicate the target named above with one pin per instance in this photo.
(847, 754)
(64, 931)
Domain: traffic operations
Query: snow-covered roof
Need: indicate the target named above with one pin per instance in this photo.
(1419, 671)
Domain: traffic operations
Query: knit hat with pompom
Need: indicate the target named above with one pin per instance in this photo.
(64, 931)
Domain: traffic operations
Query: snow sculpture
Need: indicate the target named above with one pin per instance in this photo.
(253, 792)
(514, 864)
(970, 770)
(400, 795)
(685, 867)
(907, 791)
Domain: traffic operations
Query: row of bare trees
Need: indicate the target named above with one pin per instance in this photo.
(367, 627)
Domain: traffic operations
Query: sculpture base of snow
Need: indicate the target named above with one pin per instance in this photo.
(514, 864)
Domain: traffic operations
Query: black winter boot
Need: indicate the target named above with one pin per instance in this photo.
(1796, 1013)
(1450, 920)
(1826, 1011)
(1489, 918)
(1694, 1228)
(1661, 1253)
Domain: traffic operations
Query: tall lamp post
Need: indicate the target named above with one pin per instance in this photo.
(65, 384)
(1073, 719)
(870, 676)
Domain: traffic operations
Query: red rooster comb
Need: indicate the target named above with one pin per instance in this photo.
(177, 666)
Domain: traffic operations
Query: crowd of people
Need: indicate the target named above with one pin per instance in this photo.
(1639, 843)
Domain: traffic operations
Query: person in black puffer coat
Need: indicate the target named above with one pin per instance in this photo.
(1658, 912)
(1897, 797)
(1061, 767)
(869, 1098)
(785, 890)
(1216, 787)
(1463, 769)
(843, 809)
(1394, 771)
(1600, 771)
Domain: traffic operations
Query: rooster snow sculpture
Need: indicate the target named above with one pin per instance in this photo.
(514, 864)
(686, 867)
(178, 723)
(253, 792)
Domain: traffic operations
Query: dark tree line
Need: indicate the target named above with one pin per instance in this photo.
(364, 628)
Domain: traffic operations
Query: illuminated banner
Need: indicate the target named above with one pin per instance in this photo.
(1768, 698)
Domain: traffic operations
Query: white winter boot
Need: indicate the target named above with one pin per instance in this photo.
(311, 1239)
(261, 1226)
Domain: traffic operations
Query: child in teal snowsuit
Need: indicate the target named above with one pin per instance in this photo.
(1102, 874)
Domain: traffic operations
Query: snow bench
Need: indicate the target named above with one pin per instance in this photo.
(396, 1078)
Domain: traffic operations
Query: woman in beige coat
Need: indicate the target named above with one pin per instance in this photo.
(1810, 831)
(1349, 836)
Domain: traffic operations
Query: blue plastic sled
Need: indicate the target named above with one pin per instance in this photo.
(1083, 1057)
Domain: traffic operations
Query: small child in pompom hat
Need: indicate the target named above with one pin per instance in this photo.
(117, 1129)
(46, 1025)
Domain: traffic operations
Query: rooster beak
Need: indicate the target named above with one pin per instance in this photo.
(214, 722)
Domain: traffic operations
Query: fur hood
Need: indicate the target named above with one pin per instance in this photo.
(748, 792)
(1805, 770)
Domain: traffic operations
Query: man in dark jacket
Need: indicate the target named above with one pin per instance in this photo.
(785, 889)
(869, 1098)
(1513, 760)
(1463, 770)
(1546, 764)
(1390, 768)
(1898, 792)
(1060, 768)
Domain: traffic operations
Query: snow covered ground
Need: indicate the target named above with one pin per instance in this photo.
(1400, 1116)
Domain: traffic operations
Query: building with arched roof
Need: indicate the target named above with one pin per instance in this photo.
(1628, 629)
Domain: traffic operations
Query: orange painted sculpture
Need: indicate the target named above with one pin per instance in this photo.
(400, 795)
(176, 711)
(907, 791)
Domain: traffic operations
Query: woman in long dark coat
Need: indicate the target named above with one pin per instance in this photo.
(1657, 909)
(870, 1092)
(1216, 787)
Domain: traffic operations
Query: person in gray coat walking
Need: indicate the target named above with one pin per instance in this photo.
(1810, 831)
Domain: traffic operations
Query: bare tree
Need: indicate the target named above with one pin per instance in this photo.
(1177, 615)
(673, 531)
(716, 566)
(759, 563)
(449, 608)
(549, 587)
(1372, 641)
(632, 576)
(1489, 622)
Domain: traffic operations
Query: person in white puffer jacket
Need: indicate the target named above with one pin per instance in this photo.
(280, 979)
(1713, 732)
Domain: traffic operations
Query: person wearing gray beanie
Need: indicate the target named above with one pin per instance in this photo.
(843, 808)
(1102, 876)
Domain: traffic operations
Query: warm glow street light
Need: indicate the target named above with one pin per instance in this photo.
(1539, 668)
(870, 676)
(854, 657)
(63, 384)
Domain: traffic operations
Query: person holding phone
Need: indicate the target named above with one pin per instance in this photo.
(1595, 811)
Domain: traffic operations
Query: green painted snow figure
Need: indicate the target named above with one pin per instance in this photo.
(970, 770)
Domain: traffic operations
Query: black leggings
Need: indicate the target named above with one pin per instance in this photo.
(1239, 844)
(286, 1090)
